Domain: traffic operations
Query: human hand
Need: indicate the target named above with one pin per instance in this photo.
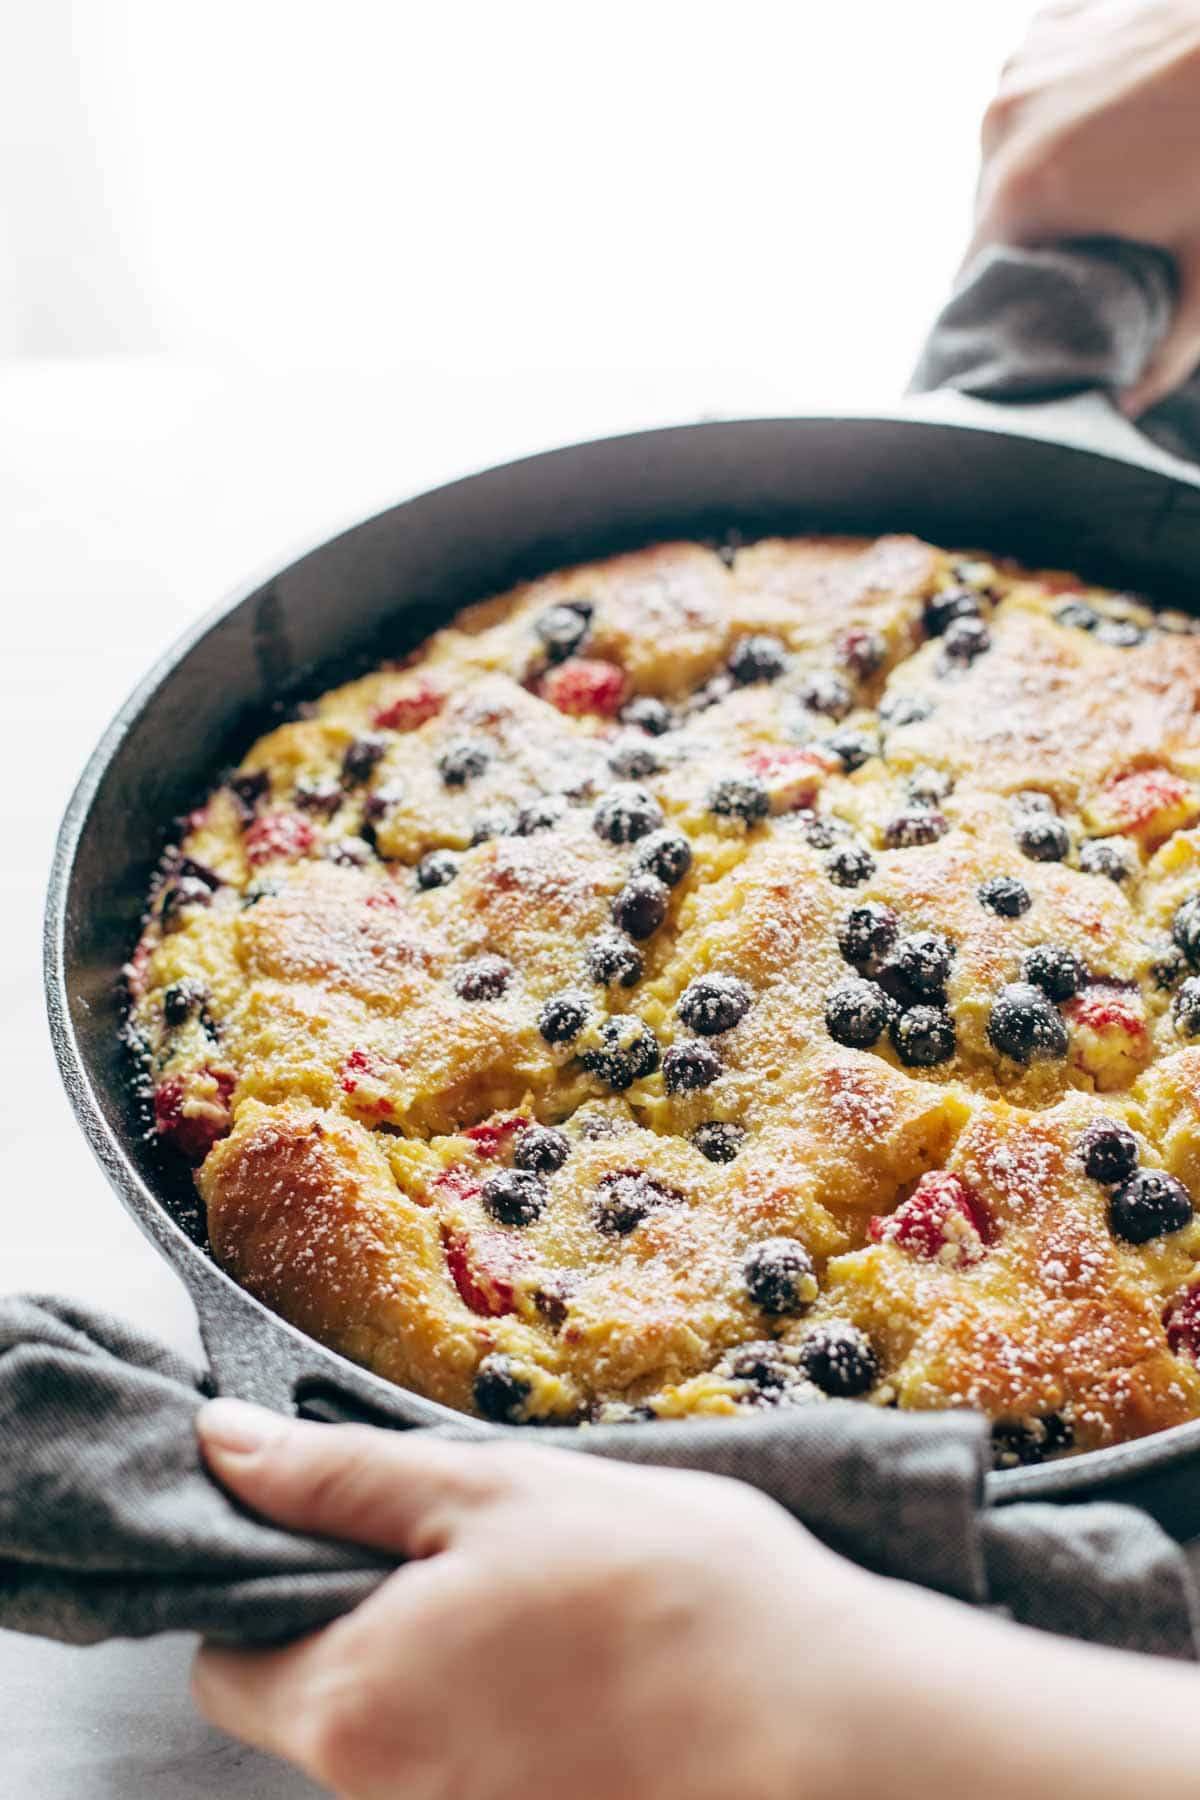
(1095, 131)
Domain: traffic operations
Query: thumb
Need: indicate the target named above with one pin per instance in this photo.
(388, 1491)
(1179, 352)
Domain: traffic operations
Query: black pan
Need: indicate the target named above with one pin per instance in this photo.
(379, 587)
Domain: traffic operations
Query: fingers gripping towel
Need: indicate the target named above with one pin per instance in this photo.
(110, 1526)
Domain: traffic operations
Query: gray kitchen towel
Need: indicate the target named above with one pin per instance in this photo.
(1034, 324)
(110, 1526)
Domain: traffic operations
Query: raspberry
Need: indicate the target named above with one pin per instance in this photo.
(484, 1269)
(583, 684)
(192, 1123)
(490, 1137)
(279, 834)
(407, 711)
(941, 1221)
(1182, 1320)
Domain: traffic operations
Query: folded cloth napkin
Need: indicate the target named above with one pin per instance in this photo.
(110, 1526)
(1033, 324)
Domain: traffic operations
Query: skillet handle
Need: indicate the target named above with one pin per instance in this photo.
(245, 1362)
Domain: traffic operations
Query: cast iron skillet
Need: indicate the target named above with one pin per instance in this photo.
(378, 588)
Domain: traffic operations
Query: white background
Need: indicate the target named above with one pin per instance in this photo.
(265, 264)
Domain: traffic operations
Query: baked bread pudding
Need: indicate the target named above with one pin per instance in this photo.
(708, 980)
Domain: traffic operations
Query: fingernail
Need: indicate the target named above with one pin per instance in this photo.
(237, 1426)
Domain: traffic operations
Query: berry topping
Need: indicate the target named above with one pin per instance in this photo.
(501, 1391)
(462, 762)
(541, 1149)
(483, 978)
(563, 1017)
(1182, 1320)
(1168, 967)
(742, 797)
(821, 830)
(626, 815)
(278, 834)
(1149, 1205)
(348, 853)
(667, 854)
(611, 957)
(839, 1360)
(1005, 896)
(191, 1116)
(941, 1221)
(249, 788)
(866, 933)
(852, 748)
(923, 1036)
(713, 1003)
(363, 756)
(861, 651)
(827, 693)
(963, 640)
(632, 758)
(626, 1050)
(1023, 1024)
(178, 895)
(928, 787)
(690, 1065)
(763, 1363)
(779, 1276)
(1185, 1008)
(583, 685)
(1122, 634)
(719, 1140)
(1055, 969)
(1185, 929)
(849, 865)
(436, 869)
(1109, 857)
(1108, 1151)
(641, 906)
(542, 814)
(490, 1136)
(1017, 1443)
(625, 1197)
(491, 825)
(756, 658)
(909, 829)
(920, 965)
(182, 1001)
(410, 710)
(561, 630)
(1041, 837)
(648, 714)
(952, 603)
(1077, 614)
(905, 709)
(857, 1013)
(514, 1196)
(319, 794)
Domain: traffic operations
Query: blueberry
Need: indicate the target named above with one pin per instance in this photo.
(483, 978)
(563, 1017)
(514, 1196)
(756, 658)
(1168, 967)
(964, 640)
(249, 789)
(1105, 856)
(542, 814)
(849, 865)
(1077, 615)
(862, 651)
(362, 756)
(381, 800)
(928, 787)
(763, 1363)
(1054, 969)
(1122, 634)
(821, 830)
(690, 1065)
(541, 1149)
(178, 895)
(349, 852)
(319, 794)
(625, 1197)
(719, 1139)
(1185, 929)
(666, 854)
(857, 1013)
(909, 829)
(742, 797)
(626, 815)
(561, 630)
(905, 709)
(1149, 1205)
(922, 960)
(923, 1036)
(1108, 1151)
(626, 1051)
(779, 1276)
(839, 1360)
(1006, 896)
(852, 748)
(436, 869)
(827, 693)
(632, 759)
(1024, 1024)
(1018, 1443)
(1042, 838)
(462, 762)
(713, 1003)
(182, 1000)
(1185, 1008)
(648, 714)
(641, 906)
(491, 825)
(867, 932)
(501, 1392)
(952, 603)
(611, 957)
